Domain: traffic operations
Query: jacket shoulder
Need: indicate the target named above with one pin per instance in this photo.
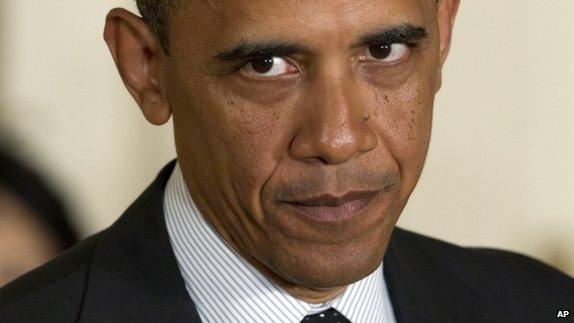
(51, 293)
(507, 281)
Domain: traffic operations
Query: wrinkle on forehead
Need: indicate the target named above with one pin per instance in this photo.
(219, 5)
(214, 5)
(233, 14)
(218, 24)
(256, 7)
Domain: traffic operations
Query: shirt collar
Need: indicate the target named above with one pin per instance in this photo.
(226, 288)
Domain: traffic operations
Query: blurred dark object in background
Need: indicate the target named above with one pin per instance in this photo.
(34, 224)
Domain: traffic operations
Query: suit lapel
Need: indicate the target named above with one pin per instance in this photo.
(423, 290)
(134, 275)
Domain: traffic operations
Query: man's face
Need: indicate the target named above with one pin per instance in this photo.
(302, 126)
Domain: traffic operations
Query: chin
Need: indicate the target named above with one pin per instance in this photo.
(305, 252)
(329, 266)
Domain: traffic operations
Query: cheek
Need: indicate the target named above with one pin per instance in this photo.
(405, 119)
(231, 144)
(243, 141)
(411, 119)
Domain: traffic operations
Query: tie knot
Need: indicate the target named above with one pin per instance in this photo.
(329, 316)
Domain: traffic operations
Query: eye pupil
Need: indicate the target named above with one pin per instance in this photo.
(380, 51)
(262, 65)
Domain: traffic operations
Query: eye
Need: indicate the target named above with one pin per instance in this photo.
(388, 54)
(268, 67)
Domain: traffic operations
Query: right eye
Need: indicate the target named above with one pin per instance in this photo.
(268, 67)
(387, 54)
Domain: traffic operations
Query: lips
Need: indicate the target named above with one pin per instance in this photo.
(328, 208)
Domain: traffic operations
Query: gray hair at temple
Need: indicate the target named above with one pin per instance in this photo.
(156, 13)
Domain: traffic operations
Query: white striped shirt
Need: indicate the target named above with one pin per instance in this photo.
(226, 288)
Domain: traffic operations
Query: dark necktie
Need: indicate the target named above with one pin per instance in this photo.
(329, 316)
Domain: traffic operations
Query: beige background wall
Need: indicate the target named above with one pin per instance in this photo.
(500, 171)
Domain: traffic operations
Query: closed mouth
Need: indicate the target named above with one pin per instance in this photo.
(330, 208)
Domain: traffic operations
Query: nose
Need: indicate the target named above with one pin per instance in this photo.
(335, 125)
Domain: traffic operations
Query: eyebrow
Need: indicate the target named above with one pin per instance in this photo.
(404, 33)
(249, 50)
(253, 50)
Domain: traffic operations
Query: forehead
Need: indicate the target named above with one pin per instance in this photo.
(216, 21)
(305, 9)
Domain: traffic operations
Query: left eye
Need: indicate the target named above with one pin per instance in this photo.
(386, 53)
(268, 67)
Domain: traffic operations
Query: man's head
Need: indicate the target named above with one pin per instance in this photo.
(301, 126)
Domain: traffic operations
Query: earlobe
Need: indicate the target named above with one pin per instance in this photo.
(438, 82)
(155, 107)
(137, 54)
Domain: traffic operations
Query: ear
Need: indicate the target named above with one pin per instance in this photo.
(447, 10)
(137, 54)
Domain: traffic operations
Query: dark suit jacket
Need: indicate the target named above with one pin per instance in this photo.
(128, 273)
